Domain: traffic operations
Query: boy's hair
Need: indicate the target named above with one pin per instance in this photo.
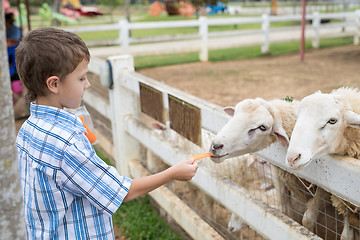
(46, 52)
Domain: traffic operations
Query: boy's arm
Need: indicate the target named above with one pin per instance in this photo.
(182, 171)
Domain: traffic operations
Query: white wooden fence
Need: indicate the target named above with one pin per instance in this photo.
(129, 132)
(349, 25)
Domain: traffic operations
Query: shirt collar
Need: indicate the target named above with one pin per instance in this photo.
(57, 115)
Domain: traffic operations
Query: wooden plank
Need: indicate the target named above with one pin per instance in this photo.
(151, 102)
(212, 116)
(185, 119)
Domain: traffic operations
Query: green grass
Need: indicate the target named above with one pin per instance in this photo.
(138, 220)
(165, 59)
(103, 35)
(234, 53)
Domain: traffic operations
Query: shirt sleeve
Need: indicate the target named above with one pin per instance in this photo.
(85, 174)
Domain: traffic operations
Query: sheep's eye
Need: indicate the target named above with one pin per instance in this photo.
(263, 128)
(332, 121)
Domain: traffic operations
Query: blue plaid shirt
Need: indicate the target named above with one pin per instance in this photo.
(69, 192)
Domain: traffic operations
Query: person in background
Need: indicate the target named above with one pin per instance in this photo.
(13, 31)
(13, 37)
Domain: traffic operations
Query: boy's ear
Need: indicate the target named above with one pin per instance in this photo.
(52, 84)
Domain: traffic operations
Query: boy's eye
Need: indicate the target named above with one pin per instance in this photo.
(83, 79)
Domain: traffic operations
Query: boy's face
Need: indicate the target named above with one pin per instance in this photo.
(72, 88)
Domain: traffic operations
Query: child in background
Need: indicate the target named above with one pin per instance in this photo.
(13, 31)
(68, 191)
(13, 37)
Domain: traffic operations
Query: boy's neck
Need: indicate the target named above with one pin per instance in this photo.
(49, 100)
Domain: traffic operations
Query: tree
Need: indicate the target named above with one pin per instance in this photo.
(11, 208)
(56, 6)
(112, 5)
(201, 3)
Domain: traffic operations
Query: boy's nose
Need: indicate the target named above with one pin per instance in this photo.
(87, 85)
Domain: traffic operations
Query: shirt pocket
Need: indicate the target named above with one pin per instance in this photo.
(47, 173)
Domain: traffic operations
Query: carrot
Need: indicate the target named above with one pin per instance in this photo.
(90, 135)
(199, 156)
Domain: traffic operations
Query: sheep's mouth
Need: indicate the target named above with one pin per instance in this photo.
(304, 164)
(220, 156)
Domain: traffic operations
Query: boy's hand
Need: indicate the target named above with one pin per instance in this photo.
(183, 171)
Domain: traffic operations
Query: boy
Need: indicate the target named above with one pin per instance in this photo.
(69, 193)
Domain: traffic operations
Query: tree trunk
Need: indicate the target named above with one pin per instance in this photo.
(56, 8)
(11, 208)
(128, 12)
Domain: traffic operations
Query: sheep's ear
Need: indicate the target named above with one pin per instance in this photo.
(352, 119)
(229, 110)
(281, 135)
(278, 131)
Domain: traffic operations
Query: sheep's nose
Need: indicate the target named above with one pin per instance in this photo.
(293, 159)
(218, 146)
(215, 147)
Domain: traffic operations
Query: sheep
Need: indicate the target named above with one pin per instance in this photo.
(335, 118)
(255, 125)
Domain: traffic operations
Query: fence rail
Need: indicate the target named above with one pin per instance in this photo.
(337, 176)
(350, 26)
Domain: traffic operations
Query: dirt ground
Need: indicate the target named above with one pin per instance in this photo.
(226, 83)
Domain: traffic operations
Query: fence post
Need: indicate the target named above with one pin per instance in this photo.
(357, 27)
(122, 103)
(316, 27)
(203, 31)
(124, 35)
(265, 26)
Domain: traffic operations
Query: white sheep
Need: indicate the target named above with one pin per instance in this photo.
(255, 125)
(328, 124)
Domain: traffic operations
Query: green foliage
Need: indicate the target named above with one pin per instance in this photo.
(202, 3)
(32, 3)
(112, 4)
(139, 221)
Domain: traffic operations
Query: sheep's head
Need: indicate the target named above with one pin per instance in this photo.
(319, 129)
(254, 125)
